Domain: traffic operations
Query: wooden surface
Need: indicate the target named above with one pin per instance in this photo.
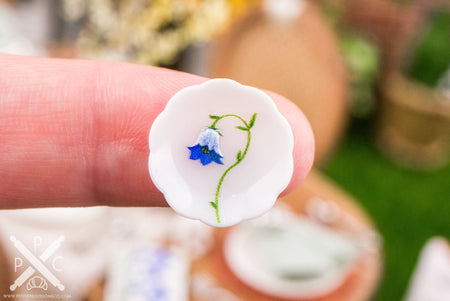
(359, 286)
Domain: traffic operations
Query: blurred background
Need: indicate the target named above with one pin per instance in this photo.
(371, 222)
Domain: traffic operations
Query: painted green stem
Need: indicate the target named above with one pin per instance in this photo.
(240, 156)
(213, 125)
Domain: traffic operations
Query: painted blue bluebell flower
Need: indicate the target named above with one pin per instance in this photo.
(207, 147)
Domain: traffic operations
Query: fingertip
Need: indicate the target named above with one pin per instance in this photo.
(304, 144)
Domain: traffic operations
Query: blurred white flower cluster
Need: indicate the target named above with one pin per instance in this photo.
(145, 31)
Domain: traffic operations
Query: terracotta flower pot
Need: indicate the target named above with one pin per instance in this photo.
(413, 126)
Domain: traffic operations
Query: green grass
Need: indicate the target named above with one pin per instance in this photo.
(431, 57)
(408, 207)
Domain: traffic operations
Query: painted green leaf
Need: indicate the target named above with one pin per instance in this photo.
(214, 117)
(242, 128)
(252, 121)
(239, 156)
(213, 204)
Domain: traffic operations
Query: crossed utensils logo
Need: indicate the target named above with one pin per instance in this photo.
(37, 264)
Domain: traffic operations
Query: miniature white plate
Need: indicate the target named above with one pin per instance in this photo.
(221, 152)
(291, 259)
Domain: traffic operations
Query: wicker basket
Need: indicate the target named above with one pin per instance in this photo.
(413, 126)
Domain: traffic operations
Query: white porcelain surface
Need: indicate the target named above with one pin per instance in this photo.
(284, 10)
(252, 186)
(431, 277)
